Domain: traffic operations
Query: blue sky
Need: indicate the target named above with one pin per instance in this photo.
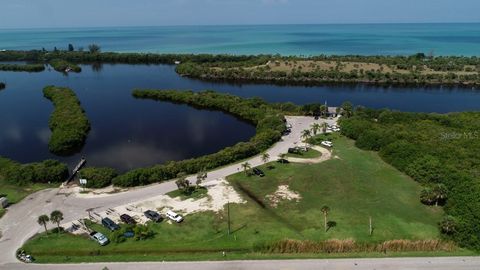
(67, 13)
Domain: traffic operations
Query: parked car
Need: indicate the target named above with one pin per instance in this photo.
(127, 219)
(174, 216)
(152, 215)
(258, 172)
(283, 160)
(99, 237)
(109, 224)
(327, 143)
(294, 150)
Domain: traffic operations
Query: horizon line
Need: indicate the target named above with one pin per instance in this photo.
(232, 25)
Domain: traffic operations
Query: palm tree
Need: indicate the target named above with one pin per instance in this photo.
(325, 209)
(56, 217)
(246, 166)
(323, 110)
(42, 221)
(347, 109)
(305, 135)
(448, 225)
(201, 176)
(439, 193)
(315, 128)
(324, 127)
(265, 157)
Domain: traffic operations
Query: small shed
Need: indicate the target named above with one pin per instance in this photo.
(3, 202)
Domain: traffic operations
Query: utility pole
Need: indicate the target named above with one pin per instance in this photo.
(228, 216)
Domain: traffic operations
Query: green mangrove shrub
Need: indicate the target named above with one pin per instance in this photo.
(98, 177)
(68, 122)
(37, 172)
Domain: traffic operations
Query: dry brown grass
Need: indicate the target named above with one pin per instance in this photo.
(311, 65)
(350, 246)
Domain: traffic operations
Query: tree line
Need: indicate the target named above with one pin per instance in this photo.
(26, 67)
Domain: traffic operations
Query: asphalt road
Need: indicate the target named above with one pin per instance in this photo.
(438, 263)
(20, 221)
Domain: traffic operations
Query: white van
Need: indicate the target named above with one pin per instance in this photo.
(174, 216)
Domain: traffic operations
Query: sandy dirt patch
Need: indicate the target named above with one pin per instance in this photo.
(283, 193)
(219, 193)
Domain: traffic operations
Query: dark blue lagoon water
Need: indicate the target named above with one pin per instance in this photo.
(366, 39)
(128, 133)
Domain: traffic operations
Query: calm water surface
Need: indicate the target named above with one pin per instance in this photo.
(128, 133)
(366, 39)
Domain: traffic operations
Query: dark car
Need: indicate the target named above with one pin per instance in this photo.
(109, 224)
(127, 219)
(258, 172)
(283, 161)
(152, 215)
(294, 150)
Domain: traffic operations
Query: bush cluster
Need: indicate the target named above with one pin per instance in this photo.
(269, 126)
(62, 66)
(439, 151)
(68, 122)
(38, 172)
(98, 177)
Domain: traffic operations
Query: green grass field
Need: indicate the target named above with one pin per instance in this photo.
(355, 185)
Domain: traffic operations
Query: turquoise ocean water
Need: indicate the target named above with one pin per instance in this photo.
(365, 39)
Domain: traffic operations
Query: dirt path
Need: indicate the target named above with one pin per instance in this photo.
(326, 155)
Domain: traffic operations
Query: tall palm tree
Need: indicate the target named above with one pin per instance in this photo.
(440, 193)
(323, 110)
(42, 221)
(56, 217)
(324, 127)
(246, 166)
(305, 135)
(325, 209)
(315, 128)
(265, 157)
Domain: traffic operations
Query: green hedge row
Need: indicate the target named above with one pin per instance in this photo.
(68, 122)
(268, 121)
(27, 67)
(37, 172)
(432, 149)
